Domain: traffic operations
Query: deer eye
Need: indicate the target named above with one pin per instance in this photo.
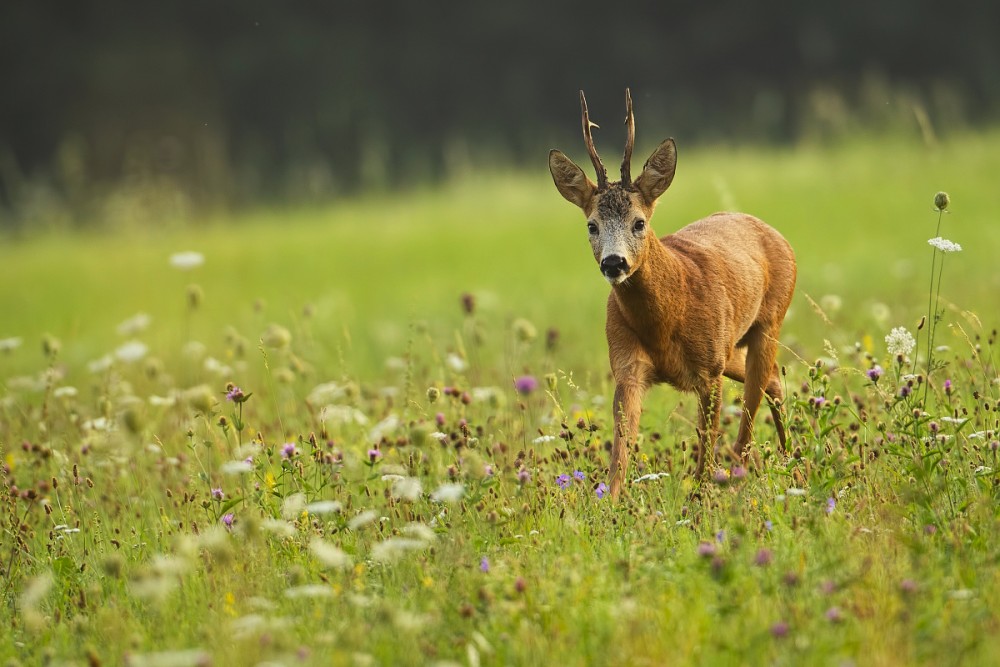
(592, 228)
(638, 225)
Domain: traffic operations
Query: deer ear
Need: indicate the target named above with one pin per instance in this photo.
(658, 171)
(570, 180)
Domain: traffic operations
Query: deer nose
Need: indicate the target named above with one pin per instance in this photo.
(614, 265)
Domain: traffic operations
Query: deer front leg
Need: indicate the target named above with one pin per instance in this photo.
(709, 414)
(628, 408)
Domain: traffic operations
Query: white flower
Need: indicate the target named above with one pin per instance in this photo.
(407, 488)
(236, 467)
(185, 261)
(8, 344)
(134, 324)
(133, 350)
(309, 591)
(101, 365)
(324, 507)
(66, 392)
(795, 491)
(543, 439)
(944, 245)
(390, 549)
(448, 493)
(362, 519)
(439, 436)
(900, 341)
(329, 555)
(162, 401)
(456, 363)
(650, 476)
(328, 392)
(384, 428)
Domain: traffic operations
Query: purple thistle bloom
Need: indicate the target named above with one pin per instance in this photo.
(904, 391)
(227, 519)
(720, 476)
(488, 470)
(834, 615)
(248, 460)
(831, 504)
(908, 586)
(579, 476)
(947, 387)
(763, 558)
(288, 450)
(563, 481)
(874, 373)
(217, 494)
(706, 549)
(484, 564)
(738, 472)
(779, 630)
(235, 394)
(523, 476)
(601, 489)
(373, 455)
(526, 384)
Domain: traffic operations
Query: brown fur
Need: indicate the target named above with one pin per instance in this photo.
(704, 302)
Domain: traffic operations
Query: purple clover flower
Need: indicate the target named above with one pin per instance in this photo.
(235, 394)
(525, 384)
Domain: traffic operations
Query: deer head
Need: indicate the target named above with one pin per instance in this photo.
(618, 212)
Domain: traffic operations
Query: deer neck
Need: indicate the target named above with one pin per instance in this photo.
(650, 300)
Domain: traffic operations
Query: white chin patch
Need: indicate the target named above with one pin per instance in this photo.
(618, 280)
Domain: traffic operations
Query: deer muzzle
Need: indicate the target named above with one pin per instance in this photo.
(614, 266)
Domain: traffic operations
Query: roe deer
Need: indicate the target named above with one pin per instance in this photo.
(687, 309)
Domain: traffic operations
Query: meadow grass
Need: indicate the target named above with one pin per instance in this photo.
(380, 492)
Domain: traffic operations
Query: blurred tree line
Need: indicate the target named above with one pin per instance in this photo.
(132, 110)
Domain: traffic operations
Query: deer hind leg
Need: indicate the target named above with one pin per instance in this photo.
(628, 408)
(762, 348)
(775, 396)
(709, 413)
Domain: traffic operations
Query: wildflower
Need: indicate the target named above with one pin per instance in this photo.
(235, 394)
(288, 450)
(131, 351)
(374, 455)
(227, 519)
(525, 384)
(899, 341)
(276, 337)
(433, 394)
(329, 555)
(579, 476)
(763, 558)
(779, 630)
(944, 245)
(484, 564)
(217, 494)
(720, 476)
(908, 586)
(941, 201)
(456, 363)
(831, 504)
(448, 493)
(738, 472)
(524, 330)
(947, 387)
(904, 391)
(601, 490)
(468, 303)
(8, 344)
(720, 536)
(523, 476)
(134, 324)
(706, 549)
(768, 525)
(874, 373)
(834, 615)
(185, 261)
(520, 585)
(563, 481)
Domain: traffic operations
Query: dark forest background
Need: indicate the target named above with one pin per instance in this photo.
(134, 109)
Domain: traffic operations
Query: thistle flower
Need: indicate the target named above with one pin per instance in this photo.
(525, 384)
(8, 344)
(763, 558)
(217, 494)
(374, 455)
(899, 341)
(523, 476)
(524, 330)
(874, 373)
(779, 630)
(288, 450)
(944, 245)
(227, 519)
(706, 549)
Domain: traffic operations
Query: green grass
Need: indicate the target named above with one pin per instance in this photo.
(900, 570)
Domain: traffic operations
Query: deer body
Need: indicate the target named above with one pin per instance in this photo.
(687, 309)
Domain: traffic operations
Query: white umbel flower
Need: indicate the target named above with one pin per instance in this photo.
(944, 245)
(900, 341)
(185, 261)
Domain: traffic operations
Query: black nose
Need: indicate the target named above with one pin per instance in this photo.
(613, 266)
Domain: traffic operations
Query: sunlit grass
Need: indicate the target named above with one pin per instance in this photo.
(414, 474)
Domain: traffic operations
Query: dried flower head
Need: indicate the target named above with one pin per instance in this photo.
(941, 201)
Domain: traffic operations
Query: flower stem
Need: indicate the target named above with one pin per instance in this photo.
(931, 310)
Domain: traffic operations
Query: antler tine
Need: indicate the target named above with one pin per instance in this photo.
(602, 173)
(629, 140)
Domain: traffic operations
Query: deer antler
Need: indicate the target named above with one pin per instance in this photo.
(629, 140)
(602, 173)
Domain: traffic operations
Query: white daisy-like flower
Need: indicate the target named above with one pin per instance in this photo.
(185, 261)
(944, 245)
(900, 341)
